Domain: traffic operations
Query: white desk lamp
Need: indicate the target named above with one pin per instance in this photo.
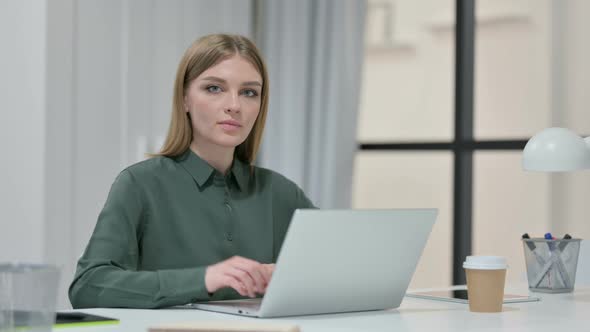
(556, 150)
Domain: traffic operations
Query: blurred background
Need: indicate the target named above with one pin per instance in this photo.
(363, 112)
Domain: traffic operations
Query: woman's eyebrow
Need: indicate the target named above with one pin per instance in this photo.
(213, 78)
(221, 80)
(252, 83)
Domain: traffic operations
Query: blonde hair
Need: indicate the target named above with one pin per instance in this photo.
(204, 53)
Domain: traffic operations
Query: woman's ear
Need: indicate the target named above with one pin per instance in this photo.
(185, 104)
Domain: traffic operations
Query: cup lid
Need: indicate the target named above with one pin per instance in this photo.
(485, 263)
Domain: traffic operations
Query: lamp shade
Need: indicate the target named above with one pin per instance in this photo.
(556, 150)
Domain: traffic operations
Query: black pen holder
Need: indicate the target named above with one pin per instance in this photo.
(551, 264)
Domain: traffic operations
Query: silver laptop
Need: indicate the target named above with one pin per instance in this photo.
(340, 261)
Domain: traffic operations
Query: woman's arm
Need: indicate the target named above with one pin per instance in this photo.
(107, 274)
(301, 200)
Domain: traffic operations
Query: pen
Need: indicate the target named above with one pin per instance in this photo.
(551, 245)
(556, 258)
(529, 244)
(532, 247)
(545, 265)
(560, 265)
(564, 243)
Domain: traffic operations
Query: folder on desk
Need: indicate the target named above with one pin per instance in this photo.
(76, 318)
(460, 295)
(23, 319)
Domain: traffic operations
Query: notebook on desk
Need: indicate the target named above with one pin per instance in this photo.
(336, 261)
(459, 295)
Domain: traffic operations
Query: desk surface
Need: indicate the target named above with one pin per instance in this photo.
(555, 312)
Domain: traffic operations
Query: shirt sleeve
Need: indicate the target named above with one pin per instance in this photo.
(287, 196)
(301, 200)
(107, 273)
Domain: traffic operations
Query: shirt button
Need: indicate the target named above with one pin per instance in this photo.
(229, 236)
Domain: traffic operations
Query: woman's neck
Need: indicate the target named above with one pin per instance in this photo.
(220, 158)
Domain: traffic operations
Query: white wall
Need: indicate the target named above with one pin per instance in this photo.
(570, 192)
(86, 90)
(22, 129)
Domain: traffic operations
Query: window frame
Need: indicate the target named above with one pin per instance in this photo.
(464, 144)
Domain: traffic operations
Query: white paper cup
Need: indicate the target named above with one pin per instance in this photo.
(486, 276)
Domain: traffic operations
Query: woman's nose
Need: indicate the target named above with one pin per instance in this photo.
(233, 104)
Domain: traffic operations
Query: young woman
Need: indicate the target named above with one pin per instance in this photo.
(197, 221)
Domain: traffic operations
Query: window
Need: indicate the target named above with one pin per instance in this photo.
(445, 114)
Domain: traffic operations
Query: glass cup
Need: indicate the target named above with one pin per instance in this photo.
(28, 296)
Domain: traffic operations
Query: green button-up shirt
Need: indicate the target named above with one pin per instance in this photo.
(166, 219)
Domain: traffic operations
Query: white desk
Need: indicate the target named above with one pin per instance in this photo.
(555, 312)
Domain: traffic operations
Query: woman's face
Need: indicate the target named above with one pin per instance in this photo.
(224, 102)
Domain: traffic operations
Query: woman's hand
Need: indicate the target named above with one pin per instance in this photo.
(246, 276)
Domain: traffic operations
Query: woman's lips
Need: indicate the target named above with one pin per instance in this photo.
(230, 125)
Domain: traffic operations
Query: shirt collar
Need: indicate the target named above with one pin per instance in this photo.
(201, 171)
(241, 173)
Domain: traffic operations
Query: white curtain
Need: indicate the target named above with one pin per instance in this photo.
(314, 51)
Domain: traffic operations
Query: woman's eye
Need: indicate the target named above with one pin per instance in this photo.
(213, 89)
(250, 93)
